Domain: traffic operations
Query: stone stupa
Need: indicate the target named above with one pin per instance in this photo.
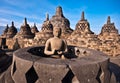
(25, 31)
(83, 36)
(83, 26)
(109, 31)
(11, 31)
(46, 31)
(34, 29)
(59, 20)
(110, 39)
(5, 32)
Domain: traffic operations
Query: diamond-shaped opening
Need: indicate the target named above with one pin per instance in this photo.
(31, 75)
(14, 67)
(68, 78)
(98, 75)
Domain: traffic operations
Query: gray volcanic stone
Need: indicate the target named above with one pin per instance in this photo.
(50, 71)
(20, 67)
(38, 68)
(5, 68)
(114, 67)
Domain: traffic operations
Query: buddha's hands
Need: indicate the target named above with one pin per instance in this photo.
(60, 52)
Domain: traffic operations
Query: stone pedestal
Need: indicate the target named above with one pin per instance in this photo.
(114, 66)
(31, 66)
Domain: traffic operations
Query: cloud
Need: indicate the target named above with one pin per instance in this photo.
(14, 13)
(12, 2)
(4, 22)
(19, 3)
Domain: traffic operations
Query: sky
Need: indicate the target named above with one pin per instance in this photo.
(96, 12)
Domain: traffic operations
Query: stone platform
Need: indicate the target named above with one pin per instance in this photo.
(30, 65)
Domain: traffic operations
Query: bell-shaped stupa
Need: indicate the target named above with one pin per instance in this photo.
(109, 31)
(34, 29)
(46, 31)
(25, 31)
(4, 34)
(83, 36)
(11, 31)
(59, 20)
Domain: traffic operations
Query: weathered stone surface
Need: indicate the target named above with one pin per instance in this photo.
(5, 62)
(34, 29)
(6, 76)
(10, 43)
(83, 25)
(45, 33)
(11, 31)
(50, 70)
(86, 73)
(108, 30)
(16, 45)
(58, 20)
(105, 74)
(82, 35)
(113, 78)
(5, 32)
(110, 39)
(21, 67)
(25, 31)
(92, 68)
(114, 67)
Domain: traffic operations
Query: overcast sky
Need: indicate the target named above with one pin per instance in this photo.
(96, 11)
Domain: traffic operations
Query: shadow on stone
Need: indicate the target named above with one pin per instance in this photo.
(37, 51)
(71, 52)
(98, 75)
(14, 67)
(5, 62)
(31, 75)
(114, 68)
(68, 78)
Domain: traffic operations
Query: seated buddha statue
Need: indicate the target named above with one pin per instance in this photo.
(56, 47)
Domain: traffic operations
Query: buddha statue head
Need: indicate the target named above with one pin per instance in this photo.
(57, 32)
